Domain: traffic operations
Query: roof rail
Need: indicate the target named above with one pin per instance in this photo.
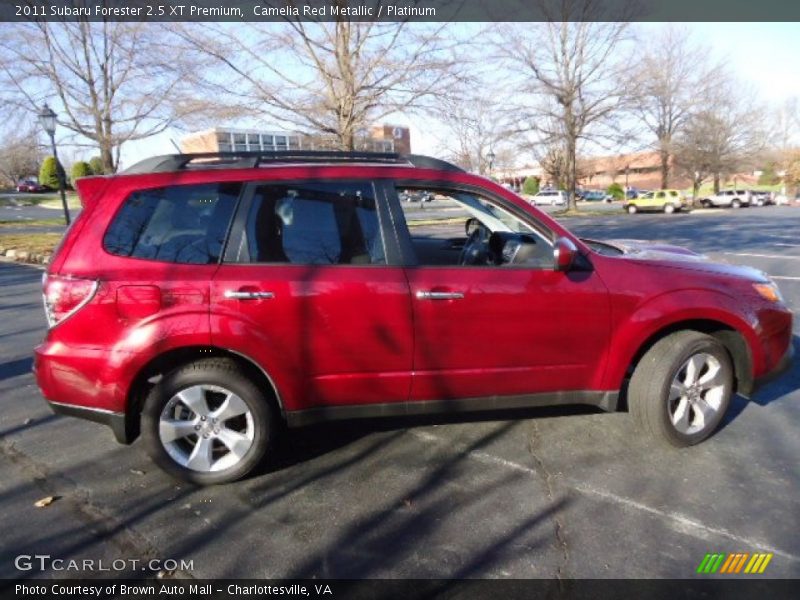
(169, 163)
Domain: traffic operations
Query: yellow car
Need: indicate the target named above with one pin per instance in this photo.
(667, 201)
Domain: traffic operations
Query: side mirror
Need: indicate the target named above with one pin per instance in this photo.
(564, 253)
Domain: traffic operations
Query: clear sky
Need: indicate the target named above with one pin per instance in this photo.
(764, 55)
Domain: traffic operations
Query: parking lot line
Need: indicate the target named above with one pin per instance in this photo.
(687, 524)
(781, 256)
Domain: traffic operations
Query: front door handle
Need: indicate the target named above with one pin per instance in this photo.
(242, 295)
(425, 295)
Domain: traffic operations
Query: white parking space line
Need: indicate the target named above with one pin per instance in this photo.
(781, 256)
(686, 524)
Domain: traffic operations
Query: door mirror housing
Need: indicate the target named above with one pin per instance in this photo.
(564, 254)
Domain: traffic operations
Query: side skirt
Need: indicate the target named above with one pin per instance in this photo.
(298, 418)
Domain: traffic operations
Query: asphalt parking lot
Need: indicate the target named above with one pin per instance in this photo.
(567, 492)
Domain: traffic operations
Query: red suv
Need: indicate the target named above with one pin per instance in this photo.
(205, 300)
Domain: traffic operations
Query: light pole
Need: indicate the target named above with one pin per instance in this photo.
(47, 119)
(490, 157)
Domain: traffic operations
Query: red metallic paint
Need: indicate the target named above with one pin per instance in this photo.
(358, 334)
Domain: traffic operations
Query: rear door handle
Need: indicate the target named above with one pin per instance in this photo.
(425, 295)
(240, 295)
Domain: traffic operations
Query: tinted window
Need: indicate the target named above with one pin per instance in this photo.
(334, 223)
(181, 224)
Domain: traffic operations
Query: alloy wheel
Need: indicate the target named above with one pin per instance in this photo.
(696, 393)
(206, 428)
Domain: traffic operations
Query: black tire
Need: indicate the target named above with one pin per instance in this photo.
(221, 373)
(669, 208)
(649, 389)
(706, 204)
(632, 209)
(735, 203)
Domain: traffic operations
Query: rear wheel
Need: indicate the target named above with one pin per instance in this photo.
(632, 210)
(681, 388)
(207, 423)
(736, 203)
(706, 204)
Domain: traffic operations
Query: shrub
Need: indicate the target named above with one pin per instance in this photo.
(96, 165)
(615, 191)
(531, 186)
(48, 173)
(769, 176)
(80, 169)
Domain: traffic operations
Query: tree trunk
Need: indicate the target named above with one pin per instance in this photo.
(716, 183)
(664, 156)
(107, 156)
(347, 141)
(571, 173)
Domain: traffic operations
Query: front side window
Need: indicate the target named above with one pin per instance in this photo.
(333, 223)
(179, 224)
(460, 228)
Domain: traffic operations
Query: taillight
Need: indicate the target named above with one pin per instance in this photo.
(64, 296)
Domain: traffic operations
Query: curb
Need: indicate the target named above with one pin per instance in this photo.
(25, 256)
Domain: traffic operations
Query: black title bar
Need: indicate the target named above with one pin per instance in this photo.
(399, 10)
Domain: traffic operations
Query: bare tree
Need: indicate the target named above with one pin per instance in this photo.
(572, 77)
(334, 78)
(670, 74)
(20, 156)
(722, 135)
(110, 82)
(473, 129)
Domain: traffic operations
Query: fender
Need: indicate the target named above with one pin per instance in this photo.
(664, 311)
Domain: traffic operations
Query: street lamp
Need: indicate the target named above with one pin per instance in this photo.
(490, 157)
(47, 119)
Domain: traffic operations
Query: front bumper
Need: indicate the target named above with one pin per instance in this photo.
(780, 368)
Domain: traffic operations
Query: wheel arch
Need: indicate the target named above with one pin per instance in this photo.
(730, 337)
(152, 371)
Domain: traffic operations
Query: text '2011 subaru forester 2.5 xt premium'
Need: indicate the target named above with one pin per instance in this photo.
(202, 301)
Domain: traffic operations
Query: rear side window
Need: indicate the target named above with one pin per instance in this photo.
(179, 224)
(327, 223)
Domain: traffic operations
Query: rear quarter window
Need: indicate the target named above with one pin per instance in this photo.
(180, 224)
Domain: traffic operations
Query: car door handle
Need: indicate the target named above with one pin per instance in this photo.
(240, 295)
(423, 295)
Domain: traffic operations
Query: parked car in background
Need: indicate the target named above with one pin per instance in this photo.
(727, 199)
(549, 198)
(31, 187)
(206, 305)
(595, 196)
(782, 200)
(416, 196)
(668, 201)
(761, 197)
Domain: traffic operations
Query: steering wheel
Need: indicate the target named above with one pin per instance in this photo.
(476, 248)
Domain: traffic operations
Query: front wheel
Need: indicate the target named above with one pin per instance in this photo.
(681, 388)
(632, 209)
(669, 208)
(207, 422)
(736, 203)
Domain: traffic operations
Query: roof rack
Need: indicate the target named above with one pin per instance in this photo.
(169, 163)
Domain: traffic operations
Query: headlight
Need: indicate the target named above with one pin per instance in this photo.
(768, 291)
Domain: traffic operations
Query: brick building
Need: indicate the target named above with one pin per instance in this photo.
(381, 138)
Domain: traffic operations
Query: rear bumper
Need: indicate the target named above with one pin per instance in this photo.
(780, 368)
(115, 420)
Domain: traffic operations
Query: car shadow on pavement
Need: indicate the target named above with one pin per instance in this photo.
(772, 391)
(304, 444)
(14, 368)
